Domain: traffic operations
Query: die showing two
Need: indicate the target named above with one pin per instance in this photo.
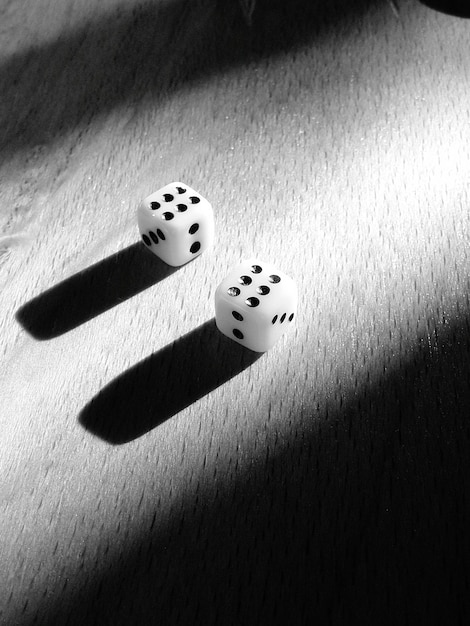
(255, 303)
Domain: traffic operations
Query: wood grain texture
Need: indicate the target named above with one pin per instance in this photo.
(153, 472)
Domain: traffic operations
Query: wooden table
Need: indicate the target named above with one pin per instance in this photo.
(155, 472)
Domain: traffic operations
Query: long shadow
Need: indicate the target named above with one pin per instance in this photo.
(362, 517)
(459, 8)
(92, 291)
(164, 384)
(152, 50)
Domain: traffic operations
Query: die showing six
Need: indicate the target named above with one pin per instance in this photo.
(255, 304)
(176, 223)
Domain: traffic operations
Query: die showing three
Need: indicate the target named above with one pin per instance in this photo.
(255, 303)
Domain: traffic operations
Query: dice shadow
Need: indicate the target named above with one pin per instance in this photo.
(358, 515)
(164, 384)
(92, 291)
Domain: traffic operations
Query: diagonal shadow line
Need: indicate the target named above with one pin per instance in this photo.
(154, 50)
(164, 384)
(362, 519)
(92, 291)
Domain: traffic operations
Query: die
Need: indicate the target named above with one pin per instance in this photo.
(255, 304)
(176, 223)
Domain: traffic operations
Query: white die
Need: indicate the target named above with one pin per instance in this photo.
(255, 304)
(176, 223)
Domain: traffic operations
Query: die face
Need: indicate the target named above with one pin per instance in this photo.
(255, 304)
(176, 223)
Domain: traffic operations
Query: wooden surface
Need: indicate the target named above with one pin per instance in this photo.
(152, 472)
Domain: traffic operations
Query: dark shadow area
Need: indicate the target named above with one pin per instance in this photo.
(362, 517)
(92, 291)
(149, 50)
(459, 8)
(164, 384)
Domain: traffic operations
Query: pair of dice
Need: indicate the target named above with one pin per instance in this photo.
(255, 303)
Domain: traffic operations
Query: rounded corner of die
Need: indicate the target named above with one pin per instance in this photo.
(142, 206)
(219, 291)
